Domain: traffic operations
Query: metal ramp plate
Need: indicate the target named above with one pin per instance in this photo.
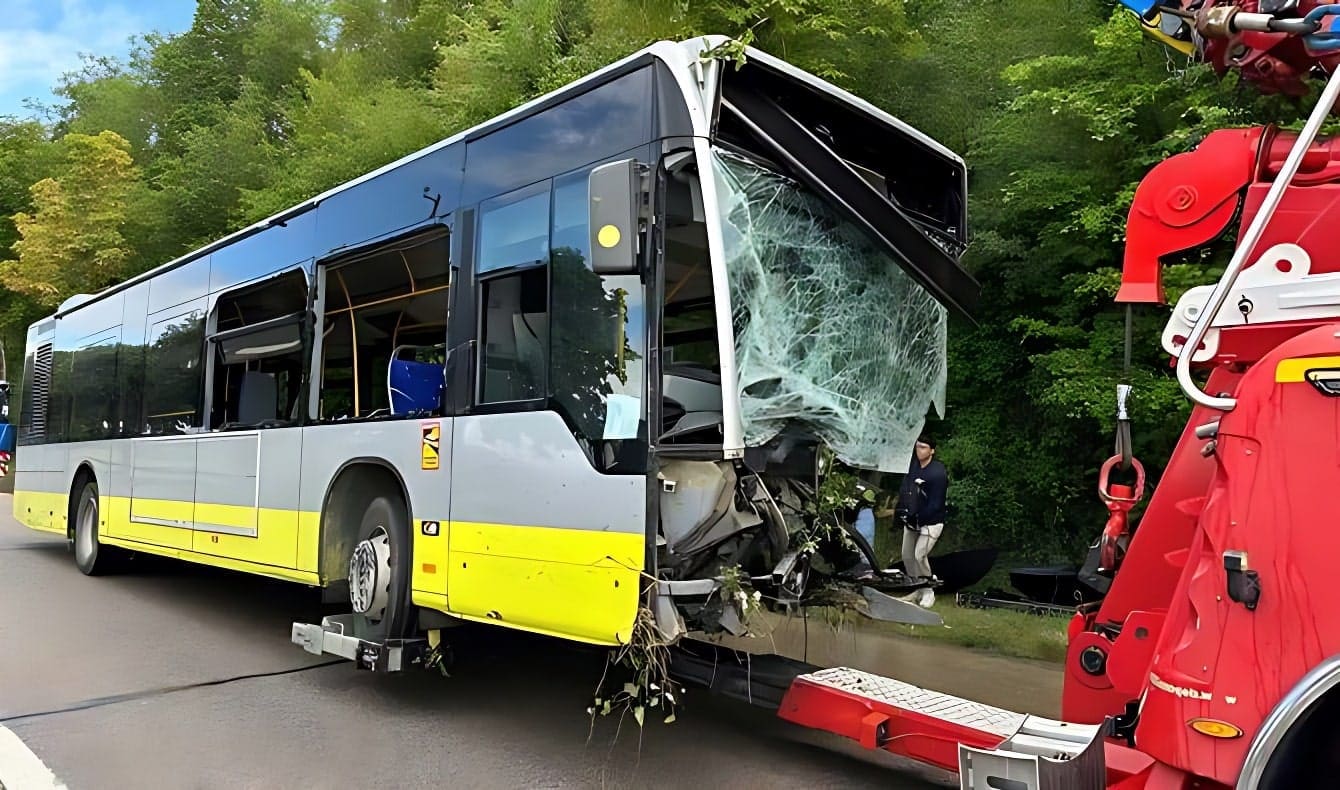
(990, 747)
(965, 713)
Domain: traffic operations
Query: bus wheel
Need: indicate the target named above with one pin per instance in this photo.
(379, 569)
(90, 557)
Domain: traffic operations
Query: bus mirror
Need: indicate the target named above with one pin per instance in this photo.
(615, 196)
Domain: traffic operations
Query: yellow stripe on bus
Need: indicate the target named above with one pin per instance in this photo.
(1293, 370)
(573, 583)
(40, 510)
(227, 563)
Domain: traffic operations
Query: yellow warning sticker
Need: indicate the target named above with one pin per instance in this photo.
(430, 448)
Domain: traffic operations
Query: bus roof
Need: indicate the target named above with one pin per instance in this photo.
(679, 56)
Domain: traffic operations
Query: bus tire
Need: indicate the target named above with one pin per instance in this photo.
(379, 570)
(90, 556)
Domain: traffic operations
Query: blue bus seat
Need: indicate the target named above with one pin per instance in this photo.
(415, 386)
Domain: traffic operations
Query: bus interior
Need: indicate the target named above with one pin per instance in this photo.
(383, 330)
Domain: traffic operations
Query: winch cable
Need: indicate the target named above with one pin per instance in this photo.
(98, 702)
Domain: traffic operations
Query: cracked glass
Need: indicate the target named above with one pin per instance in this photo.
(831, 335)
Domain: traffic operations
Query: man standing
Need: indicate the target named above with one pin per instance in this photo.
(921, 512)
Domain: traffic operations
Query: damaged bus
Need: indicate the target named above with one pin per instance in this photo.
(579, 361)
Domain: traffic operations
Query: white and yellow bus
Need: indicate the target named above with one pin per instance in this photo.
(575, 360)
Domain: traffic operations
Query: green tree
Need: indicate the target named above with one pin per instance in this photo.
(1033, 385)
(72, 242)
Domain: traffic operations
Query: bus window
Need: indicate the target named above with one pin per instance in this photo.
(514, 313)
(599, 337)
(93, 396)
(258, 354)
(515, 337)
(691, 358)
(384, 330)
(174, 374)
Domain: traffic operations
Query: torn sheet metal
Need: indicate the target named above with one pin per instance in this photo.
(829, 331)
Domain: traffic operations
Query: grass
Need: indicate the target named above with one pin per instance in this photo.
(1001, 631)
(994, 630)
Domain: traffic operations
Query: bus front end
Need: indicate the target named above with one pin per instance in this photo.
(807, 259)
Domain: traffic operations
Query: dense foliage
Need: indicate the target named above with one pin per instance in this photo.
(1059, 106)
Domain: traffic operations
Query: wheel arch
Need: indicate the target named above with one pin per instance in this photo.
(351, 488)
(83, 473)
(1317, 694)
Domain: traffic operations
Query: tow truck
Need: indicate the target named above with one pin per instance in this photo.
(1213, 661)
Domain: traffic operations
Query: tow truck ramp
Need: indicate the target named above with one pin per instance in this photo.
(990, 748)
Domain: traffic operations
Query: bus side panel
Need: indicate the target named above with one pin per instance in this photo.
(539, 539)
(247, 496)
(34, 503)
(161, 507)
(414, 449)
(117, 485)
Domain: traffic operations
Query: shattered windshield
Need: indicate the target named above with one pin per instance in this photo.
(830, 332)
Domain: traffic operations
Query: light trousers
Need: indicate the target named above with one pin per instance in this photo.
(917, 545)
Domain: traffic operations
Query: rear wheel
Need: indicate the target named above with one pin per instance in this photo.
(90, 556)
(379, 571)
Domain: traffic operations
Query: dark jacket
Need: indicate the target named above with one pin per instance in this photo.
(921, 497)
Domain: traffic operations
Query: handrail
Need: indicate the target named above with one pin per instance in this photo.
(1248, 243)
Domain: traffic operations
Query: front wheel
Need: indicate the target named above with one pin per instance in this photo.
(379, 571)
(90, 556)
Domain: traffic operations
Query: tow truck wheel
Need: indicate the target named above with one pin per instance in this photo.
(379, 570)
(90, 557)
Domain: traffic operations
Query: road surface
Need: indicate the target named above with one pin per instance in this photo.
(177, 676)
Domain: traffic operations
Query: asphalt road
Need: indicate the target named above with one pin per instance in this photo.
(183, 677)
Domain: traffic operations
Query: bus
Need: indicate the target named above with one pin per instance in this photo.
(577, 362)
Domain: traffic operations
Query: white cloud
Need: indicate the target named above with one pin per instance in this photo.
(37, 46)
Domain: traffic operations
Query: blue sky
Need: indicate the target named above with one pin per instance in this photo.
(42, 39)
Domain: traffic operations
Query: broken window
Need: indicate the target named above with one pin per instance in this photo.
(257, 354)
(830, 333)
(384, 330)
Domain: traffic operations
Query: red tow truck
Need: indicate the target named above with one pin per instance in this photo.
(1214, 659)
